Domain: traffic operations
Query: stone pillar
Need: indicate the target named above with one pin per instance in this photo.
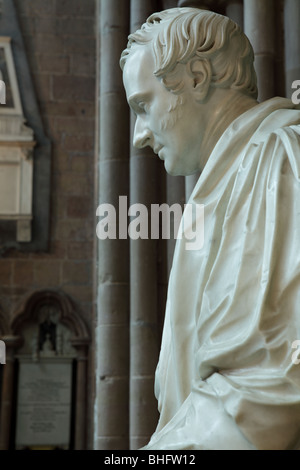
(8, 392)
(279, 48)
(213, 5)
(235, 11)
(259, 26)
(112, 336)
(81, 383)
(165, 250)
(292, 43)
(190, 182)
(175, 195)
(169, 4)
(144, 189)
(206, 5)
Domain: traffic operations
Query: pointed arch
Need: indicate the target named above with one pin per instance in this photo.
(69, 316)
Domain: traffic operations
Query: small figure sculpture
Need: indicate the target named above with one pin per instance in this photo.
(225, 378)
(47, 326)
(47, 348)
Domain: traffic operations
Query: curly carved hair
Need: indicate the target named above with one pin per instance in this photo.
(180, 34)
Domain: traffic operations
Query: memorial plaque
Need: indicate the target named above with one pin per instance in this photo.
(44, 403)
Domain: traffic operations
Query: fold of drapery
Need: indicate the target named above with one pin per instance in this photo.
(225, 378)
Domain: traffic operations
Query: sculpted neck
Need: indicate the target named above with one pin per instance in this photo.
(223, 107)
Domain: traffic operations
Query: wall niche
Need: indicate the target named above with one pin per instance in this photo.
(46, 380)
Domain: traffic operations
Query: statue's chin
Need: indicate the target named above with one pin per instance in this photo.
(172, 170)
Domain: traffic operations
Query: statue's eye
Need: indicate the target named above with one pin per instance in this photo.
(143, 107)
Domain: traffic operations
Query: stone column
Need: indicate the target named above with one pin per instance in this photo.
(165, 249)
(235, 11)
(259, 26)
(213, 5)
(8, 392)
(169, 4)
(279, 48)
(144, 189)
(81, 383)
(190, 182)
(175, 195)
(292, 43)
(112, 336)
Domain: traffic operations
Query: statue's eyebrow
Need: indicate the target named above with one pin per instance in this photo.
(137, 98)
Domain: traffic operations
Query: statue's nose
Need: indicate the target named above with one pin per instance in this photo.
(142, 134)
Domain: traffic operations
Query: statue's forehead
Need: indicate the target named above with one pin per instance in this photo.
(140, 54)
(139, 67)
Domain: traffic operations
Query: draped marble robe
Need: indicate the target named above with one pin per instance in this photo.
(225, 377)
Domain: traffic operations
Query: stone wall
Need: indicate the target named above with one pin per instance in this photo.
(60, 42)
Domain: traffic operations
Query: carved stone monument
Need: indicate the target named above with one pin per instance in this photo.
(46, 351)
(225, 378)
(45, 382)
(44, 403)
(16, 151)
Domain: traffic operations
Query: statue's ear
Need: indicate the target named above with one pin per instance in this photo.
(200, 70)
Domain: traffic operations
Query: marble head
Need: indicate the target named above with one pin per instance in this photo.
(176, 70)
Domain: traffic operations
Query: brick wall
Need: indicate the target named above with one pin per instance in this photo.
(59, 37)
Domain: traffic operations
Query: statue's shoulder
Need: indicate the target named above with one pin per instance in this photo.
(281, 148)
(279, 117)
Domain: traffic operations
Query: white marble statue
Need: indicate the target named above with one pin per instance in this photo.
(225, 378)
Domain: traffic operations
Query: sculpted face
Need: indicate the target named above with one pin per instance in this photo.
(169, 123)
